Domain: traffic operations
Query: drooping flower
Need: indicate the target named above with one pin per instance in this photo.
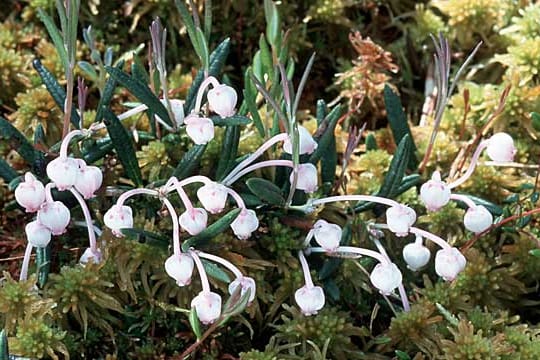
(307, 178)
(213, 197)
(307, 144)
(246, 283)
(449, 263)
(199, 129)
(63, 172)
(435, 193)
(327, 235)
(118, 217)
(30, 193)
(193, 221)
(501, 148)
(222, 100)
(416, 255)
(177, 108)
(386, 277)
(310, 299)
(208, 306)
(180, 268)
(477, 219)
(88, 180)
(400, 218)
(55, 216)
(38, 235)
(245, 223)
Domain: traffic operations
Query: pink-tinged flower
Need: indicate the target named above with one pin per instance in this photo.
(90, 256)
(30, 193)
(416, 255)
(386, 277)
(246, 283)
(38, 235)
(310, 299)
(435, 193)
(194, 220)
(307, 144)
(245, 223)
(180, 268)
(307, 178)
(213, 197)
(501, 148)
(399, 219)
(177, 108)
(222, 100)
(477, 219)
(199, 129)
(89, 179)
(208, 306)
(327, 235)
(63, 172)
(117, 218)
(55, 216)
(449, 263)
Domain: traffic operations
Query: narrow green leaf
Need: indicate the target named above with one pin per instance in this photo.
(88, 69)
(195, 323)
(185, 14)
(229, 150)
(235, 304)
(266, 57)
(57, 92)
(453, 320)
(4, 350)
(107, 95)
(6, 171)
(328, 135)
(124, 147)
(398, 122)
(231, 120)
(215, 271)
(408, 182)
(55, 35)
(207, 19)
(43, 264)
(396, 171)
(371, 142)
(535, 252)
(203, 49)
(142, 92)
(401, 355)
(322, 110)
(328, 167)
(18, 142)
(266, 191)
(97, 152)
(492, 208)
(250, 94)
(211, 231)
(39, 135)
(535, 120)
(189, 162)
(147, 237)
(273, 25)
(138, 71)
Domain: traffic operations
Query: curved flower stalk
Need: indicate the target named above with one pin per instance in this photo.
(310, 298)
(207, 304)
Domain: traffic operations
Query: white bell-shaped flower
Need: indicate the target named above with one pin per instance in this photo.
(38, 235)
(199, 129)
(222, 100)
(63, 172)
(477, 219)
(327, 235)
(213, 197)
(177, 108)
(399, 219)
(310, 299)
(117, 218)
(501, 148)
(307, 144)
(435, 193)
(246, 283)
(386, 277)
(180, 268)
(55, 216)
(193, 221)
(89, 179)
(30, 193)
(307, 178)
(90, 256)
(449, 263)
(245, 223)
(416, 255)
(208, 306)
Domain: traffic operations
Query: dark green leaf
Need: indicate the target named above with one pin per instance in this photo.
(535, 252)
(229, 149)
(325, 140)
(401, 355)
(4, 351)
(328, 167)
(138, 71)
(57, 92)
(98, 151)
(202, 48)
(523, 221)
(185, 14)
(6, 171)
(55, 35)
(108, 92)
(266, 191)
(535, 120)
(18, 141)
(371, 142)
(249, 100)
(211, 231)
(408, 182)
(43, 264)
(124, 147)
(147, 237)
(215, 271)
(189, 162)
(195, 323)
(231, 120)
(88, 69)
(142, 92)
(266, 57)
(235, 304)
(492, 208)
(39, 135)
(396, 171)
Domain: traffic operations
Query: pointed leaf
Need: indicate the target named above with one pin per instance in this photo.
(211, 231)
(107, 95)
(202, 50)
(215, 271)
(43, 264)
(266, 191)
(325, 140)
(4, 351)
(189, 162)
(55, 35)
(6, 171)
(492, 208)
(195, 323)
(19, 142)
(371, 142)
(229, 150)
(231, 120)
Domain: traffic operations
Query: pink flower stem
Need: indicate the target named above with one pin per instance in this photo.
(269, 143)
(472, 165)
(209, 80)
(122, 198)
(437, 240)
(88, 219)
(202, 273)
(223, 262)
(464, 199)
(238, 199)
(67, 139)
(353, 250)
(175, 184)
(26, 262)
(256, 166)
(48, 194)
(369, 198)
(308, 238)
(131, 112)
(176, 227)
(305, 269)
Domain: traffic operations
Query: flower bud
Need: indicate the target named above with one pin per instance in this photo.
(327, 235)
(501, 148)
(416, 255)
(180, 268)
(307, 178)
(30, 193)
(449, 263)
(222, 100)
(90, 256)
(199, 129)
(310, 299)
(63, 172)
(118, 217)
(55, 216)
(399, 219)
(307, 144)
(37, 234)
(88, 180)
(246, 283)
(177, 108)
(386, 277)
(213, 197)
(435, 193)
(477, 219)
(245, 223)
(208, 306)
(193, 221)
